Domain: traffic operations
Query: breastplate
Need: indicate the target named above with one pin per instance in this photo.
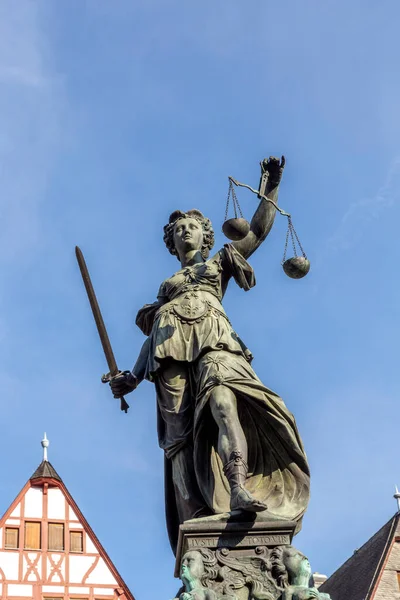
(191, 306)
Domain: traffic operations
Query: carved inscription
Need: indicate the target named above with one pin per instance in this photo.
(238, 541)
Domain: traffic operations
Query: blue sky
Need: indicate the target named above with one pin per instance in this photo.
(115, 113)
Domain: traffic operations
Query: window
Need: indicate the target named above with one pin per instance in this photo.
(56, 536)
(76, 541)
(11, 539)
(32, 535)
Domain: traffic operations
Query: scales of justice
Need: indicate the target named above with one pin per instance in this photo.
(236, 474)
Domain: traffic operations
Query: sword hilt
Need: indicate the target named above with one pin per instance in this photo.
(106, 379)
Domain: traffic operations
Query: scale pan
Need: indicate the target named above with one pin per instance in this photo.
(236, 229)
(296, 267)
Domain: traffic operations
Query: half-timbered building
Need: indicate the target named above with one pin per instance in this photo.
(48, 551)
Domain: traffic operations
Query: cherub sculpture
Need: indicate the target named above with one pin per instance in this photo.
(194, 575)
(292, 572)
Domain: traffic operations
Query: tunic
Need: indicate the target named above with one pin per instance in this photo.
(192, 348)
(191, 319)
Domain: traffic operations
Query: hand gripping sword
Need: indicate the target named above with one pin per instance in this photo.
(101, 328)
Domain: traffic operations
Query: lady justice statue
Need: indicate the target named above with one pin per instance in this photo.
(230, 443)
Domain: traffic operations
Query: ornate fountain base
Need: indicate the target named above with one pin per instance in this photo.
(220, 558)
(240, 538)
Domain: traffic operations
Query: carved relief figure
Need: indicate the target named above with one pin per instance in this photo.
(292, 572)
(194, 575)
(230, 443)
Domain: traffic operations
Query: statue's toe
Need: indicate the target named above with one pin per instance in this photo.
(241, 499)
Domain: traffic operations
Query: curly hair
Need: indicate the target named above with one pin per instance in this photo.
(210, 565)
(279, 570)
(208, 231)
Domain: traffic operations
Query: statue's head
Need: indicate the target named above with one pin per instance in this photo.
(198, 566)
(287, 564)
(192, 567)
(189, 231)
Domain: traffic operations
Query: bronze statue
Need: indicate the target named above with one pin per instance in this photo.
(196, 567)
(230, 443)
(279, 573)
(292, 572)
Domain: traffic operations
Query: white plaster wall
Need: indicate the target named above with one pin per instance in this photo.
(56, 589)
(34, 503)
(25, 567)
(79, 566)
(101, 574)
(72, 515)
(60, 566)
(56, 504)
(9, 562)
(90, 547)
(1, 538)
(13, 521)
(17, 511)
(33, 555)
(79, 590)
(103, 591)
(19, 590)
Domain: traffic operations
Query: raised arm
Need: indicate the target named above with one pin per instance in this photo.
(264, 217)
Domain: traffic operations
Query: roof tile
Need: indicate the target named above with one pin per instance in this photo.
(356, 577)
(45, 469)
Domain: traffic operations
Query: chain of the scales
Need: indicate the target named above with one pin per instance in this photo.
(235, 202)
(294, 238)
(296, 266)
(236, 228)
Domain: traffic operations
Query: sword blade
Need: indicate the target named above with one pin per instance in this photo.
(101, 328)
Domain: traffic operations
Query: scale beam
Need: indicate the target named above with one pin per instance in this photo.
(238, 183)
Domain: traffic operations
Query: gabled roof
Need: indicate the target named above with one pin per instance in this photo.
(45, 469)
(123, 587)
(357, 577)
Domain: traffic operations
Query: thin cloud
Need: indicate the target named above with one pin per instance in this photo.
(364, 211)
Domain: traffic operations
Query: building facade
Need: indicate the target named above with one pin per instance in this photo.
(373, 571)
(48, 550)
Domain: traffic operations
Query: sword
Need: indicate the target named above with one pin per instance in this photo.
(101, 328)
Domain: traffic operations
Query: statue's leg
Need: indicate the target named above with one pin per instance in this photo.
(175, 404)
(230, 432)
(232, 448)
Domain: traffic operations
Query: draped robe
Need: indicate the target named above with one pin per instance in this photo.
(189, 331)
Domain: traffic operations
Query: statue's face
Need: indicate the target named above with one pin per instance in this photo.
(188, 235)
(192, 566)
(296, 563)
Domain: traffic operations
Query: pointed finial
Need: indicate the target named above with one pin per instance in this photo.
(45, 444)
(397, 497)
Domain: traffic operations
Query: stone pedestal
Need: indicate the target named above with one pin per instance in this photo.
(238, 537)
(232, 559)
